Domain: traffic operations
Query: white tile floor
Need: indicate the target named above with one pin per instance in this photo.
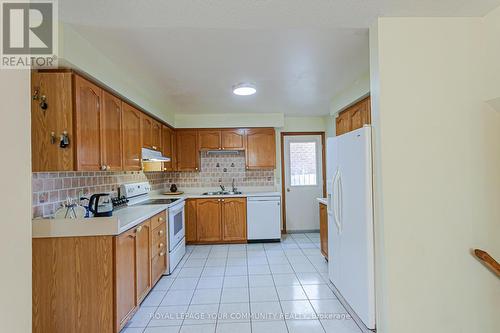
(271, 287)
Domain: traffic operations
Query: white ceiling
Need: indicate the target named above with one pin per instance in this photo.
(299, 53)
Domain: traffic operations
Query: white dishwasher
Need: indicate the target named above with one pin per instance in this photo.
(264, 218)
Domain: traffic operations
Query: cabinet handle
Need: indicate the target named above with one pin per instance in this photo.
(154, 147)
(160, 232)
(103, 167)
(162, 254)
(139, 228)
(222, 200)
(160, 245)
(160, 219)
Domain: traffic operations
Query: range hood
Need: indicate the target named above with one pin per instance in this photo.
(150, 155)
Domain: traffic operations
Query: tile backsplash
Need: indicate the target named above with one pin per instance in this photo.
(50, 189)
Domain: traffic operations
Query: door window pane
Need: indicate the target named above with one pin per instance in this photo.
(303, 163)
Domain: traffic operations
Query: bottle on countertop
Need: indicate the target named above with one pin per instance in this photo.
(173, 188)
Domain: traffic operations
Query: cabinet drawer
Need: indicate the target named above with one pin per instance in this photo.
(159, 246)
(158, 219)
(158, 266)
(160, 234)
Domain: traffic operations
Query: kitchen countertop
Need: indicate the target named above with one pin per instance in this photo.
(322, 201)
(122, 220)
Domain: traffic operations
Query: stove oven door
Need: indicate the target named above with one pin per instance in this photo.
(176, 224)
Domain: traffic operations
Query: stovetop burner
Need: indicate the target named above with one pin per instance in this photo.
(157, 202)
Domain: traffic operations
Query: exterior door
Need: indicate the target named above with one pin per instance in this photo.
(303, 181)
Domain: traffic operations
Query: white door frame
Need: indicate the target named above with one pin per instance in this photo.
(283, 189)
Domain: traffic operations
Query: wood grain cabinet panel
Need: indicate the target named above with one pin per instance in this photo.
(88, 103)
(147, 131)
(323, 229)
(191, 207)
(188, 156)
(73, 282)
(111, 130)
(209, 139)
(143, 259)
(260, 148)
(234, 219)
(156, 136)
(354, 117)
(56, 89)
(233, 139)
(131, 138)
(168, 149)
(126, 299)
(208, 223)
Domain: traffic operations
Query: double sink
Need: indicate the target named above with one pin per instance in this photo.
(223, 193)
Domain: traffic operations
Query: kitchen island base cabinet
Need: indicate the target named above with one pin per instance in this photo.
(94, 284)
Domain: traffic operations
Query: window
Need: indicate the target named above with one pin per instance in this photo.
(303, 164)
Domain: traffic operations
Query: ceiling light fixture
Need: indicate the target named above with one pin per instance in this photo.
(244, 89)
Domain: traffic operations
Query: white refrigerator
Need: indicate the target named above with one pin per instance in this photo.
(350, 221)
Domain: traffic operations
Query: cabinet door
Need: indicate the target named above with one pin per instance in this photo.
(88, 125)
(234, 219)
(167, 137)
(260, 148)
(323, 230)
(233, 139)
(188, 156)
(143, 259)
(46, 155)
(209, 139)
(147, 131)
(125, 277)
(111, 130)
(131, 138)
(208, 220)
(191, 220)
(343, 122)
(360, 114)
(156, 143)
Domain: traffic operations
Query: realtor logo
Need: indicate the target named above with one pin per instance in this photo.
(29, 34)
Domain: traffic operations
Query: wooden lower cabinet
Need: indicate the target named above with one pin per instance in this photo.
(143, 260)
(190, 210)
(216, 220)
(234, 219)
(95, 284)
(323, 229)
(208, 220)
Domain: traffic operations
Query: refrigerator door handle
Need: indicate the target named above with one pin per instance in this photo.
(329, 205)
(341, 202)
(336, 208)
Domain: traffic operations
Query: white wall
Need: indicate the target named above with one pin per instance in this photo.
(79, 53)
(437, 176)
(351, 94)
(229, 120)
(15, 247)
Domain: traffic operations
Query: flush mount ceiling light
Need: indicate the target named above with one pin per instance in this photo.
(244, 89)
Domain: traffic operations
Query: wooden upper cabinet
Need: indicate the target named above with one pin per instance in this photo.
(143, 259)
(156, 142)
(46, 154)
(188, 156)
(131, 138)
(233, 139)
(191, 206)
(147, 131)
(343, 123)
(125, 276)
(88, 103)
(168, 147)
(208, 223)
(209, 139)
(111, 130)
(260, 148)
(354, 117)
(234, 219)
